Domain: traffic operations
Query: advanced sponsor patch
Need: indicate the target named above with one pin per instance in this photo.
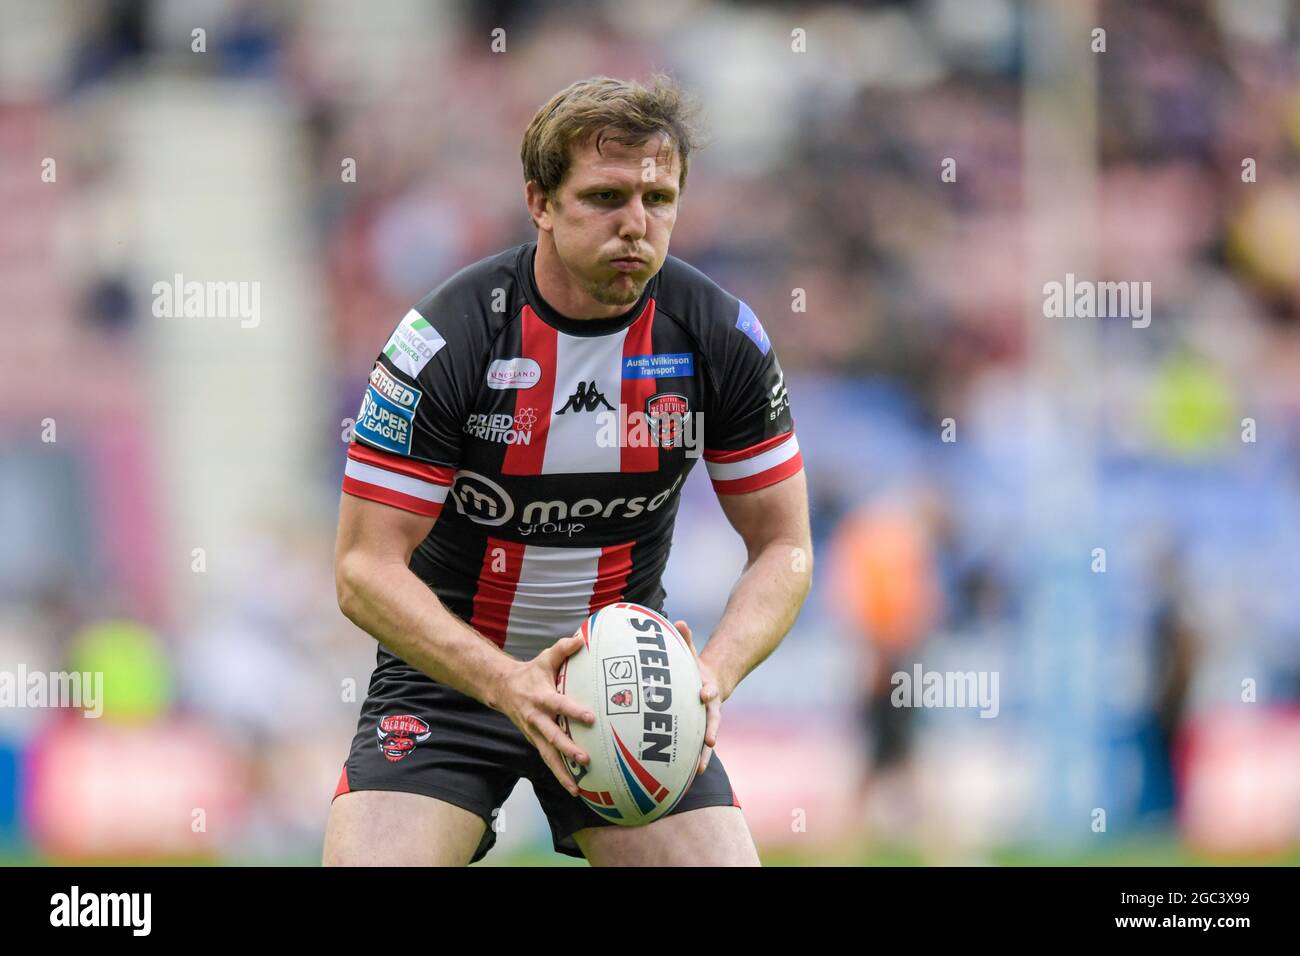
(413, 343)
(748, 323)
(668, 365)
(387, 413)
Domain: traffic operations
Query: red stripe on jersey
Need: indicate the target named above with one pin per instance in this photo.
(750, 452)
(635, 393)
(343, 787)
(386, 496)
(738, 486)
(498, 580)
(438, 474)
(539, 344)
(612, 569)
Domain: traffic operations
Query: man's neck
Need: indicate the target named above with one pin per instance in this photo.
(559, 290)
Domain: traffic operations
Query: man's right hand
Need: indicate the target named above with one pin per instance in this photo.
(529, 698)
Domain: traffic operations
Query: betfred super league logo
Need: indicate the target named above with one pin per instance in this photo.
(399, 734)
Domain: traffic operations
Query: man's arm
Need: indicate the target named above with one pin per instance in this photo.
(378, 592)
(773, 522)
(382, 596)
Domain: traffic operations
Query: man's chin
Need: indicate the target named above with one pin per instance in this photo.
(617, 293)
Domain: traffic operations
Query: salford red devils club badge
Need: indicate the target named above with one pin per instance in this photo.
(399, 734)
(667, 415)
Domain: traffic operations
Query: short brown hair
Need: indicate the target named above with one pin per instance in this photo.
(615, 110)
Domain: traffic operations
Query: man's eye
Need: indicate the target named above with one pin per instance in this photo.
(604, 196)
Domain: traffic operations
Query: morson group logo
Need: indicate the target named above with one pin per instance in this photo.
(399, 734)
(483, 501)
(480, 499)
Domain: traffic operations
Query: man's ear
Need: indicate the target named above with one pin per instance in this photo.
(538, 205)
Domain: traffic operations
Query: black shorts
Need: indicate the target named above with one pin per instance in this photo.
(419, 736)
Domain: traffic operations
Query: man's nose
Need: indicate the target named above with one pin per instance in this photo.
(632, 222)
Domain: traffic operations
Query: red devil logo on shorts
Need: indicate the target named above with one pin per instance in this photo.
(399, 733)
(622, 699)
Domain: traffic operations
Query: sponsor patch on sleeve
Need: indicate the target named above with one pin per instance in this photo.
(413, 343)
(387, 412)
(748, 323)
(667, 365)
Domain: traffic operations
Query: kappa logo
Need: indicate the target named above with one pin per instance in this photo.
(399, 734)
(587, 398)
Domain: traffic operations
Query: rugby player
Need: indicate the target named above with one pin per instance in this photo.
(499, 488)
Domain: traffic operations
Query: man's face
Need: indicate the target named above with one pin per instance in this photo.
(615, 207)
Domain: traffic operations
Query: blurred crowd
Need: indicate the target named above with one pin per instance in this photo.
(919, 311)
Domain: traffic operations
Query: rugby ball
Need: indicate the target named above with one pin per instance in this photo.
(637, 674)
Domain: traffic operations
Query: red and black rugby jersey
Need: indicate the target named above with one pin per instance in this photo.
(552, 451)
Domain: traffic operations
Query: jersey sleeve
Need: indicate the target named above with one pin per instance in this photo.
(749, 440)
(406, 442)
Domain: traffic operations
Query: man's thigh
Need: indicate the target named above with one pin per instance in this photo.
(392, 828)
(708, 836)
(427, 769)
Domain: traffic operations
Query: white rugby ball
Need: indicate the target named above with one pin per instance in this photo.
(637, 674)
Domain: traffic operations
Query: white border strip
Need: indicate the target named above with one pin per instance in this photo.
(416, 488)
(731, 470)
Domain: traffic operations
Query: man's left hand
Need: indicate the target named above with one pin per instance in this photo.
(710, 695)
